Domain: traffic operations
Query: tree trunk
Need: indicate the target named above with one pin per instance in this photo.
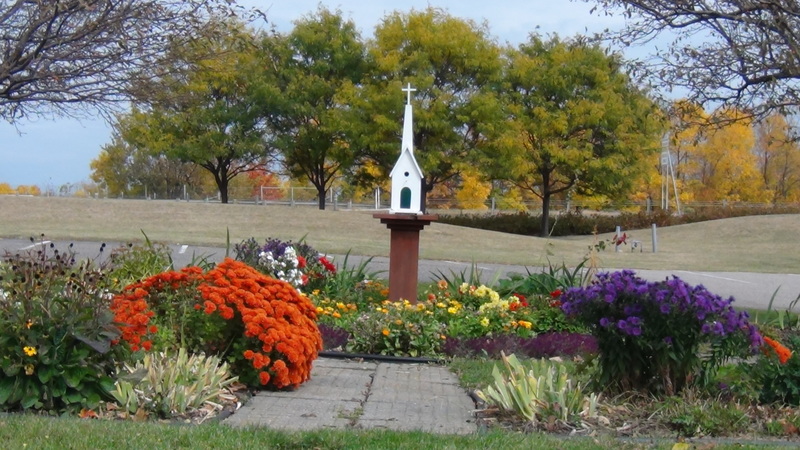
(222, 184)
(321, 197)
(545, 231)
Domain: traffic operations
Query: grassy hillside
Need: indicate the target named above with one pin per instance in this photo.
(753, 244)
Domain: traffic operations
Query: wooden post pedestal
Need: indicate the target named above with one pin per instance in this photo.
(404, 252)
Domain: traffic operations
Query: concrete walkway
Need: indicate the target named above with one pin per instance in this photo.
(348, 394)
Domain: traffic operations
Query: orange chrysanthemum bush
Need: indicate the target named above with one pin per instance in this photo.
(262, 326)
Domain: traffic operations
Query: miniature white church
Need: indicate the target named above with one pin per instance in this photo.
(407, 179)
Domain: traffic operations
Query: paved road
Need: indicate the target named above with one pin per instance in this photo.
(752, 290)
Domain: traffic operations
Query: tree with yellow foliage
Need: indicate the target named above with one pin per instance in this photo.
(474, 190)
(778, 156)
(724, 166)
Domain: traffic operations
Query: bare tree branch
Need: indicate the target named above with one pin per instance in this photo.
(73, 57)
(738, 53)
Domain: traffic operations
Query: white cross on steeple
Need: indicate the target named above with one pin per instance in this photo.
(409, 90)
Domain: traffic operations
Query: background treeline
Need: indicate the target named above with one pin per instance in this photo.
(551, 119)
(570, 223)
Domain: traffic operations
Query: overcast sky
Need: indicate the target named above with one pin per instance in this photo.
(51, 153)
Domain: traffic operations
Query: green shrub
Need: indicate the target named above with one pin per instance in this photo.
(539, 390)
(576, 223)
(171, 384)
(56, 332)
(777, 373)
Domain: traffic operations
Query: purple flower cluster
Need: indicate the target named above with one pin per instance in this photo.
(624, 302)
(276, 247)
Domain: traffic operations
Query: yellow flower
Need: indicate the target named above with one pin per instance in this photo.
(320, 309)
(336, 315)
(30, 351)
(443, 337)
(341, 305)
(28, 369)
(398, 322)
(441, 305)
(385, 331)
(452, 310)
(525, 324)
(485, 322)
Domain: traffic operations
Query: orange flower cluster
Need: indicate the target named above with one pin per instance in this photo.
(783, 353)
(279, 323)
(272, 311)
(132, 311)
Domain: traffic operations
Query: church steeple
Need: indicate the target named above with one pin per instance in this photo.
(407, 178)
(408, 123)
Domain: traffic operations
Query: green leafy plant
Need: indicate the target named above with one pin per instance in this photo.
(397, 328)
(344, 282)
(57, 330)
(539, 390)
(691, 416)
(554, 278)
(171, 384)
(776, 373)
(134, 262)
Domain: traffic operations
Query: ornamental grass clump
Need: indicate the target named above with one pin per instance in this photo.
(264, 327)
(658, 336)
(538, 390)
(167, 384)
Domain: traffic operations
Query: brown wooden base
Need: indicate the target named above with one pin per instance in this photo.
(404, 252)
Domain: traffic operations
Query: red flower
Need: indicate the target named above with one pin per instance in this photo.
(328, 266)
(556, 293)
(301, 262)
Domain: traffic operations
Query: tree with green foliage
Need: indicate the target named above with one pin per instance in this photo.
(452, 63)
(313, 65)
(210, 109)
(124, 169)
(575, 123)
